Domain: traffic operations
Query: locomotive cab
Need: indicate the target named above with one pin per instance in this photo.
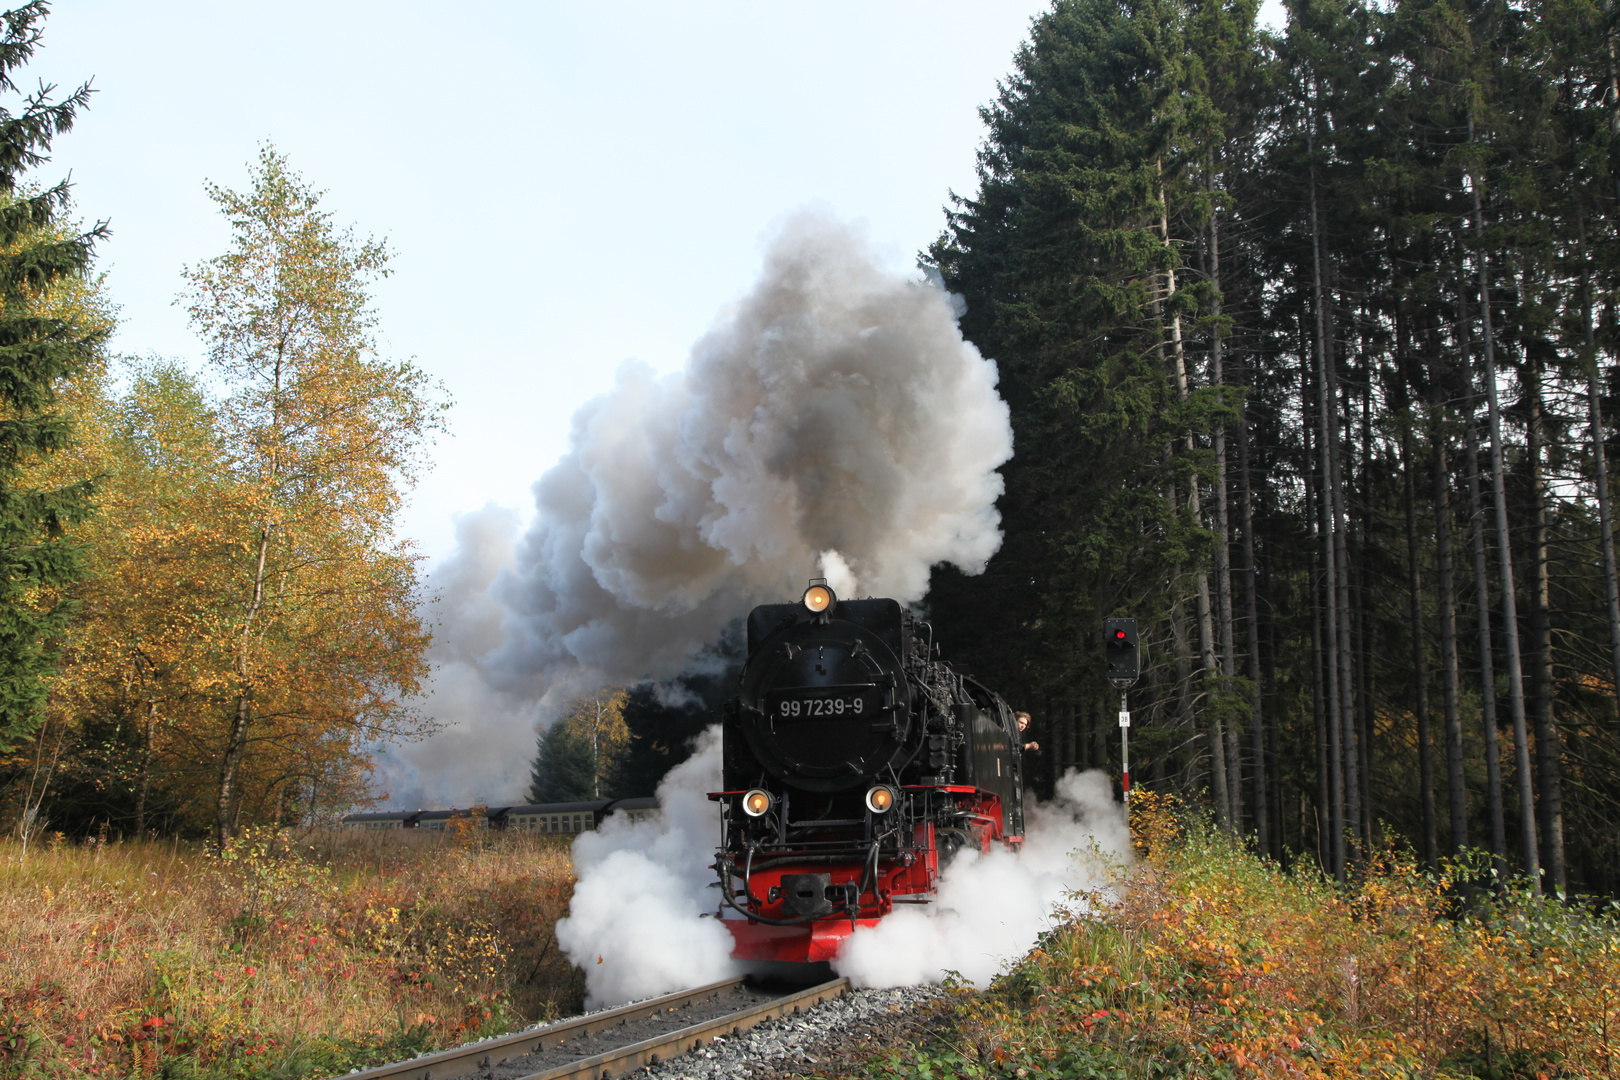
(855, 765)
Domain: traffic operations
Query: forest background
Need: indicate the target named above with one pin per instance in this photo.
(1310, 346)
(1309, 341)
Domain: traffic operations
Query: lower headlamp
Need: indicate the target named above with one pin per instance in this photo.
(880, 800)
(757, 802)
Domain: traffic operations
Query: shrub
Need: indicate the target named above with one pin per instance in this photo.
(1216, 963)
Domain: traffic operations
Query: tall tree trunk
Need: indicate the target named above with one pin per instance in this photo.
(1181, 642)
(1482, 590)
(1363, 654)
(1223, 794)
(1328, 855)
(1611, 98)
(1341, 721)
(1220, 779)
(1495, 802)
(1594, 418)
(242, 715)
(1265, 640)
(1223, 535)
(1420, 667)
(1504, 550)
(1600, 469)
(1549, 742)
(1456, 788)
(1329, 622)
(1270, 840)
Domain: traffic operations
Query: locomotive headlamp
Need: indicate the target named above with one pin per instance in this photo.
(880, 800)
(818, 598)
(756, 803)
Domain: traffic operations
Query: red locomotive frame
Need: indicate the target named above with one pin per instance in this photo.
(907, 876)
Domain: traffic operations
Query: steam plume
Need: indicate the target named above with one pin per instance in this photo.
(635, 924)
(991, 908)
(488, 735)
(833, 419)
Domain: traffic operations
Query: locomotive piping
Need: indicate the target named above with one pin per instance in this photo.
(731, 898)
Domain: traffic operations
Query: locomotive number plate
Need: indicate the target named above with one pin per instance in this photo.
(824, 702)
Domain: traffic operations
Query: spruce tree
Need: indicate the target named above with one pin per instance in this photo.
(1070, 258)
(562, 767)
(38, 353)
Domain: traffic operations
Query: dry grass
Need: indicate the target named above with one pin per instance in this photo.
(287, 956)
(1218, 965)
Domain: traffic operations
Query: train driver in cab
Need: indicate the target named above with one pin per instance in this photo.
(1023, 722)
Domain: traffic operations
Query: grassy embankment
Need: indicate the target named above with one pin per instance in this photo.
(343, 950)
(1218, 965)
(289, 957)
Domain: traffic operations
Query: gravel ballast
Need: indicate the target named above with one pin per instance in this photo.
(813, 1042)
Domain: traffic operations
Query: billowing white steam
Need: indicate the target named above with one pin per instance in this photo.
(991, 908)
(832, 420)
(635, 924)
(482, 752)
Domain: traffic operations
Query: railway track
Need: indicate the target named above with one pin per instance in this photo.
(610, 1044)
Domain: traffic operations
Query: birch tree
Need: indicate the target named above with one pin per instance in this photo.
(323, 437)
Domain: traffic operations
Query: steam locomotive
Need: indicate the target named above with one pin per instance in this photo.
(856, 764)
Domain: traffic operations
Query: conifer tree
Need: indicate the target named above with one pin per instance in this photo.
(1070, 254)
(562, 769)
(39, 352)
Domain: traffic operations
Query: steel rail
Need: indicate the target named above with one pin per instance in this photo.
(627, 1059)
(465, 1059)
(471, 1058)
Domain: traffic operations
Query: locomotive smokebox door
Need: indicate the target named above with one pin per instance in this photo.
(824, 705)
(806, 894)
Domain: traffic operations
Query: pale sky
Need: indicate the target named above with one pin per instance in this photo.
(565, 185)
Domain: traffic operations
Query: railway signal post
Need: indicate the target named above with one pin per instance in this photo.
(1124, 655)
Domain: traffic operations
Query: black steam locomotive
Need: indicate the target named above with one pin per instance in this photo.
(855, 765)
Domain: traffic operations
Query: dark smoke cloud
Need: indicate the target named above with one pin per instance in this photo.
(832, 421)
(482, 752)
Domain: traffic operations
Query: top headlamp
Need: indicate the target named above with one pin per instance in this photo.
(818, 598)
(880, 800)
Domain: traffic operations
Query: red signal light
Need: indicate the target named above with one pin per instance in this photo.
(1119, 635)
